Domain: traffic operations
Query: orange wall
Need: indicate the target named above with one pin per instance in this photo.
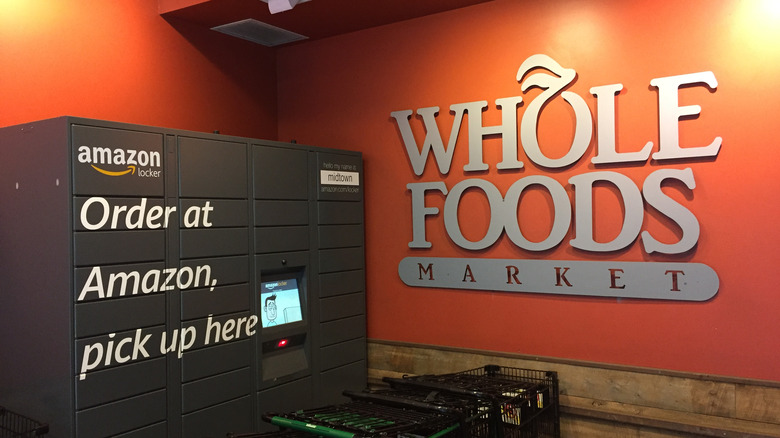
(340, 92)
(121, 61)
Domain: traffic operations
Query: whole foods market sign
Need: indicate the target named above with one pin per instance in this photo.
(654, 280)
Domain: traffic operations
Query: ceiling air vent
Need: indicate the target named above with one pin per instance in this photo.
(259, 32)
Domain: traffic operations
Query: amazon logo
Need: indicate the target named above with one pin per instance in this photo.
(119, 162)
(130, 170)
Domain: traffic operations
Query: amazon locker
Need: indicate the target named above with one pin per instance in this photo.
(173, 283)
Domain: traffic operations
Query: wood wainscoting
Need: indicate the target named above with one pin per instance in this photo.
(603, 400)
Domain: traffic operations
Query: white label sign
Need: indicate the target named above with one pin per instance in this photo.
(336, 178)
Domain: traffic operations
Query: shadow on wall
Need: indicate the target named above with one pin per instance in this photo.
(249, 67)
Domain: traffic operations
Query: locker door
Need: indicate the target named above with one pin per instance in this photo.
(119, 234)
(214, 232)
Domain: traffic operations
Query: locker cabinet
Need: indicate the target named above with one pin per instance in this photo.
(132, 262)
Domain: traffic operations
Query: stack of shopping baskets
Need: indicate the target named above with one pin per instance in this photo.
(487, 402)
(13, 425)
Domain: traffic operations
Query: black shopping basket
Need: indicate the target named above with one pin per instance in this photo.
(13, 425)
(472, 414)
(362, 419)
(524, 403)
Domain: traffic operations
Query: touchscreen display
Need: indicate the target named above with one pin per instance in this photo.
(280, 302)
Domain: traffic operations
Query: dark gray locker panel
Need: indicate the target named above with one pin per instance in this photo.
(333, 213)
(269, 213)
(342, 306)
(35, 297)
(143, 343)
(112, 384)
(219, 420)
(108, 161)
(213, 390)
(213, 213)
(349, 377)
(221, 329)
(220, 271)
(116, 281)
(281, 239)
(214, 242)
(340, 236)
(280, 261)
(344, 282)
(292, 361)
(288, 397)
(212, 168)
(91, 248)
(280, 173)
(199, 303)
(214, 360)
(122, 416)
(116, 315)
(342, 330)
(342, 353)
(104, 213)
(159, 430)
(332, 260)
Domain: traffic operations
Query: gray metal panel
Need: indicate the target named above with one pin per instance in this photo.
(213, 213)
(340, 236)
(116, 315)
(342, 330)
(225, 270)
(288, 397)
(214, 242)
(280, 261)
(222, 329)
(269, 213)
(219, 420)
(334, 382)
(280, 173)
(112, 278)
(121, 382)
(143, 342)
(35, 221)
(117, 150)
(212, 168)
(213, 390)
(344, 282)
(285, 363)
(281, 239)
(35, 272)
(332, 260)
(199, 303)
(122, 416)
(335, 212)
(342, 306)
(342, 353)
(214, 360)
(171, 166)
(120, 213)
(92, 248)
(159, 430)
